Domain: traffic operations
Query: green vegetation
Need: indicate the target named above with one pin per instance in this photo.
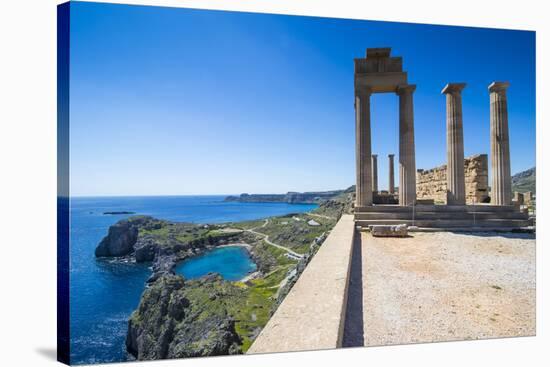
(173, 310)
(210, 316)
(252, 311)
(178, 318)
(169, 234)
(338, 205)
(294, 232)
(248, 224)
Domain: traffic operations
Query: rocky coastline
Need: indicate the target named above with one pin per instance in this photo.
(165, 244)
(179, 317)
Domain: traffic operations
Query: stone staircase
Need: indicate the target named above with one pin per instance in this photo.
(464, 217)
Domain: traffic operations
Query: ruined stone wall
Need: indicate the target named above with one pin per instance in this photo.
(432, 183)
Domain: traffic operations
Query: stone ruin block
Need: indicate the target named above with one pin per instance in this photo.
(518, 198)
(528, 198)
(432, 183)
(399, 230)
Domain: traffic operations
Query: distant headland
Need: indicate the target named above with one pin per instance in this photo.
(291, 197)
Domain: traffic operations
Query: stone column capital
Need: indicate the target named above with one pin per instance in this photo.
(363, 91)
(453, 88)
(498, 87)
(374, 156)
(405, 89)
(391, 155)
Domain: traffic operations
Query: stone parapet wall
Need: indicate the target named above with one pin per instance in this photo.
(432, 183)
(312, 315)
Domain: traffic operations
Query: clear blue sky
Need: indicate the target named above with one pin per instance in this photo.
(179, 101)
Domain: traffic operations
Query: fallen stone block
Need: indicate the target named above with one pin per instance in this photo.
(399, 230)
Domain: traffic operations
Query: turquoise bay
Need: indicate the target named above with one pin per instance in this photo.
(231, 262)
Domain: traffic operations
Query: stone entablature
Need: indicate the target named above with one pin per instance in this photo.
(432, 183)
(378, 60)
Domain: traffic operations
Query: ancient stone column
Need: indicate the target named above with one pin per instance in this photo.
(363, 187)
(374, 164)
(456, 187)
(391, 180)
(501, 186)
(407, 164)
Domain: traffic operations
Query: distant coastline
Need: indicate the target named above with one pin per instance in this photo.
(279, 246)
(291, 197)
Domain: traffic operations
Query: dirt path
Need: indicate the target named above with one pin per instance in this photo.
(320, 216)
(445, 286)
(295, 255)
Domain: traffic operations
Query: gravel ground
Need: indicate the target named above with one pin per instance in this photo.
(445, 286)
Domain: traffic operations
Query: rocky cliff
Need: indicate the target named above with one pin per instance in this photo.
(525, 181)
(339, 204)
(177, 319)
(121, 238)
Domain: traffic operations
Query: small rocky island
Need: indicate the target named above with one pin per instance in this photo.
(179, 317)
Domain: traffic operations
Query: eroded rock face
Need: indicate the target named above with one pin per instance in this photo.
(145, 249)
(119, 241)
(123, 235)
(177, 319)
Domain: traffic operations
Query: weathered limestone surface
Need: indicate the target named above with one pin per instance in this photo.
(375, 173)
(455, 144)
(312, 314)
(363, 188)
(399, 230)
(378, 72)
(518, 198)
(501, 185)
(407, 165)
(432, 183)
(391, 189)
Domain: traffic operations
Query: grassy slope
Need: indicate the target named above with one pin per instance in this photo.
(524, 181)
(294, 232)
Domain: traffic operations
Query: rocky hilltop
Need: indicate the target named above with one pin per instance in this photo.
(525, 181)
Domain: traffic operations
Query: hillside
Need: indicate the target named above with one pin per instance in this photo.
(289, 197)
(524, 181)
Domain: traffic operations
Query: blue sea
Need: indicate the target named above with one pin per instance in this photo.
(103, 293)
